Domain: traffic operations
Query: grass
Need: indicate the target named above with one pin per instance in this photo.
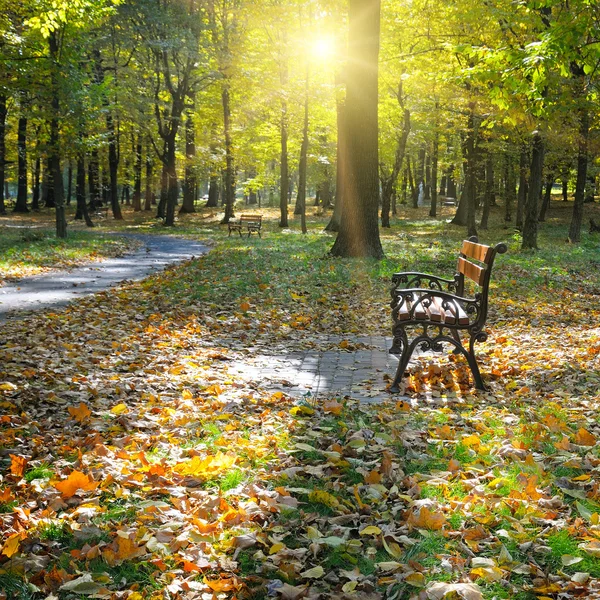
(42, 471)
(15, 588)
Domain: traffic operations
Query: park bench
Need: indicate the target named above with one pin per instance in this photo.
(249, 222)
(437, 310)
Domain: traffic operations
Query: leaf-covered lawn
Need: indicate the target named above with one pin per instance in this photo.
(31, 251)
(135, 465)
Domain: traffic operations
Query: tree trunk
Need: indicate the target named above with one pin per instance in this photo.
(172, 183)
(48, 186)
(69, 183)
(489, 194)
(359, 227)
(301, 199)
(164, 192)
(582, 161)
(510, 193)
(37, 168)
(148, 194)
(434, 173)
(21, 204)
(189, 186)
(3, 115)
(470, 183)
(388, 183)
(427, 197)
(565, 186)
(341, 166)
(94, 180)
(213, 192)
(229, 161)
(530, 223)
(82, 209)
(451, 191)
(523, 185)
(54, 142)
(414, 192)
(547, 196)
(283, 130)
(137, 177)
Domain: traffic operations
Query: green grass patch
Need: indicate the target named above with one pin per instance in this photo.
(42, 471)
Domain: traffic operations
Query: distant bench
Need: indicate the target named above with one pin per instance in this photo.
(251, 223)
(436, 315)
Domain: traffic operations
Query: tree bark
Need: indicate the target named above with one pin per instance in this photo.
(94, 180)
(137, 176)
(546, 199)
(190, 183)
(229, 159)
(213, 192)
(82, 209)
(301, 198)
(148, 194)
(434, 173)
(37, 168)
(69, 183)
(54, 142)
(341, 168)
(523, 187)
(284, 181)
(510, 193)
(359, 227)
(530, 222)
(21, 204)
(582, 161)
(3, 115)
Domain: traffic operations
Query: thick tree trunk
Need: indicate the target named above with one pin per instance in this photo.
(21, 204)
(3, 115)
(54, 142)
(229, 160)
(189, 186)
(213, 192)
(164, 192)
(451, 191)
(582, 161)
(48, 186)
(530, 222)
(359, 228)
(172, 183)
(137, 176)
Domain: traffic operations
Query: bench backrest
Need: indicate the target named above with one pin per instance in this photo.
(475, 262)
(251, 219)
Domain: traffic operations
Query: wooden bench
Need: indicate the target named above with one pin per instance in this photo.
(435, 309)
(252, 223)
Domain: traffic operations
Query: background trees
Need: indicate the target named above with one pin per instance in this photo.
(160, 103)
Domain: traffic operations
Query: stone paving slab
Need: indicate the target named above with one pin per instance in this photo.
(362, 370)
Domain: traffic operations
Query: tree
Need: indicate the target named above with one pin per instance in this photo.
(359, 227)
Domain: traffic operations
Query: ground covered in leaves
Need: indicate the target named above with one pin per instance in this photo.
(134, 465)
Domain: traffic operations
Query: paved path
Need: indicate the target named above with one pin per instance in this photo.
(331, 368)
(58, 289)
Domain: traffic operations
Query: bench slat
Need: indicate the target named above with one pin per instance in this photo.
(475, 251)
(471, 270)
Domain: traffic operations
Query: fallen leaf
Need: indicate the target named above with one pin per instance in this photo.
(75, 481)
(80, 413)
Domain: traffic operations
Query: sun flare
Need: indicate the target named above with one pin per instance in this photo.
(324, 47)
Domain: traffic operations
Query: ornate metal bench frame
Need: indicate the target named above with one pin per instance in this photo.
(252, 223)
(436, 309)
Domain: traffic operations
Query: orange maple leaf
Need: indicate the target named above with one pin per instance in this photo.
(333, 407)
(80, 413)
(17, 465)
(75, 481)
(584, 438)
(373, 477)
(6, 496)
(122, 549)
(427, 519)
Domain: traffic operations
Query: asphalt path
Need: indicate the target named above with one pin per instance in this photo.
(62, 287)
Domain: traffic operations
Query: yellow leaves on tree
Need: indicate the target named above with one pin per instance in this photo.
(206, 467)
(75, 481)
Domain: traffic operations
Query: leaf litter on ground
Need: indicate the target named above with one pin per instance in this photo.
(135, 464)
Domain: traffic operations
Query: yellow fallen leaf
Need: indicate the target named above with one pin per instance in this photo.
(276, 547)
(426, 519)
(332, 406)
(119, 409)
(11, 546)
(314, 573)
(211, 465)
(323, 497)
(415, 579)
(471, 440)
(350, 586)
(370, 530)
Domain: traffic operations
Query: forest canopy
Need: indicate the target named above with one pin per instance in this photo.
(165, 102)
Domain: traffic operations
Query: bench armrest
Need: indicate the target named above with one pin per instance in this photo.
(413, 279)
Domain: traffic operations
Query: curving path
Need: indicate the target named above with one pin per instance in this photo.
(60, 288)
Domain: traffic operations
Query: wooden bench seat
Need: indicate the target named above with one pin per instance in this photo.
(251, 223)
(435, 310)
